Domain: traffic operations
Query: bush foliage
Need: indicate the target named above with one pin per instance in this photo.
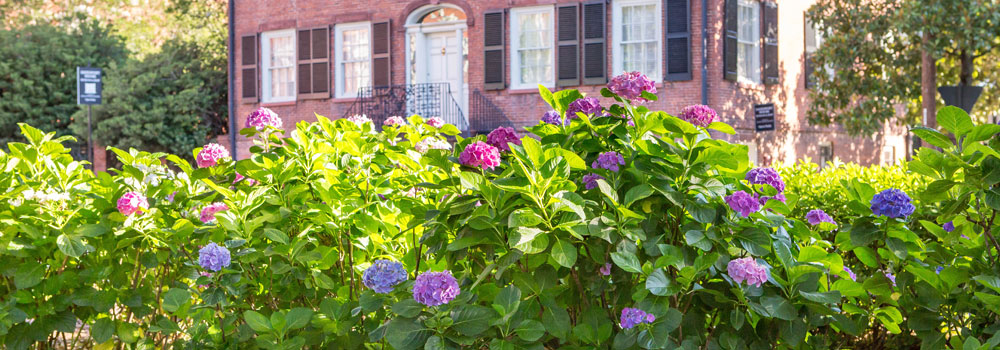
(612, 231)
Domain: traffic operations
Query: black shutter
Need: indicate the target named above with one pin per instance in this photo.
(313, 72)
(595, 51)
(494, 62)
(677, 39)
(811, 44)
(248, 69)
(568, 53)
(730, 46)
(770, 25)
(381, 63)
(304, 69)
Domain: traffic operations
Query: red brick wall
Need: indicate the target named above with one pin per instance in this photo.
(793, 139)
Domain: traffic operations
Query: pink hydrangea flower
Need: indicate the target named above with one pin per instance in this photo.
(359, 119)
(211, 154)
(394, 121)
(631, 85)
(747, 270)
(436, 122)
(501, 136)
(208, 213)
(263, 117)
(431, 143)
(131, 203)
(700, 115)
(480, 155)
(606, 269)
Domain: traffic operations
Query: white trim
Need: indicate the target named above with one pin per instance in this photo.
(617, 34)
(515, 46)
(338, 54)
(265, 65)
(420, 12)
(752, 76)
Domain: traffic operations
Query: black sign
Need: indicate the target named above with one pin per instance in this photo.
(763, 116)
(88, 86)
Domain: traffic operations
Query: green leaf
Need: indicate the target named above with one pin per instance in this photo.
(932, 136)
(298, 317)
(659, 284)
(174, 298)
(564, 253)
(434, 343)
(71, 245)
(574, 160)
(779, 307)
(954, 119)
(258, 322)
(555, 318)
(831, 297)
(636, 193)
(864, 232)
(722, 127)
(102, 330)
(867, 256)
(508, 300)
(981, 133)
(698, 239)
(471, 320)
(406, 334)
(28, 275)
(626, 261)
(408, 308)
(993, 282)
(275, 235)
(92, 230)
(530, 330)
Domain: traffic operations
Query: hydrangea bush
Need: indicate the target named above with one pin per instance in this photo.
(623, 228)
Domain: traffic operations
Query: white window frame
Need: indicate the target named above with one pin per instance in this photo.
(618, 65)
(265, 65)
(745, 74)
(339, 56)
(515, 46)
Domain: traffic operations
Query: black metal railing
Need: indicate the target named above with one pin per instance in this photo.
(427, 100)
(484, 115)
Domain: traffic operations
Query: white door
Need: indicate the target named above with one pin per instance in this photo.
(444, 63)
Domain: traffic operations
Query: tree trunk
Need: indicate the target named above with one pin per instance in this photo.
(928, 85)
(965, 77)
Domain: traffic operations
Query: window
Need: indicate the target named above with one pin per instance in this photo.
(825, 154)
(353, 55)
(532, 37)
(278, 66)
(637, 29)
(748, 47)
(813, 40)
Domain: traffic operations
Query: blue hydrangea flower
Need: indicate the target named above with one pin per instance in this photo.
(938, 269)
(632, 317)
(949, 226)
(213, 257)
(608, 160)
(892, 203)
(382, 275)
(435, 288)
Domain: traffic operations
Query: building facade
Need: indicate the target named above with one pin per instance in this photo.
(477, 64)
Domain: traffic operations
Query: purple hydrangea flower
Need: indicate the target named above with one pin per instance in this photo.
(891, 277)
(608, 160)
(436, 122)
(213, 257)
(851, 274)
(435, 288)
(501, 136)
(606, 269)
(949, 226)
(632, 317)
(743, 203)
(586, 105)
(552, 117)
(208, 213)
(778, 197)
(631, 85)
(131, 203)
(747, 270)
(211, 154)
(480, 155)
(700, 115)
(766, 176)
(892, 203)
(394, 121)
(382, 275)
(263, 117)
(817, 216)
(590, 180)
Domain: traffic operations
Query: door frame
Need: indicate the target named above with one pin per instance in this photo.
(417, 51)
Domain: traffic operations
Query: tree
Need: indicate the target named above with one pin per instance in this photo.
(38, 73)
(871, 55)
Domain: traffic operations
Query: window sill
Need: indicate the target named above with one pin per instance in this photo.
(343, 99)
(749, 85)
(522, 91)
(278, 104)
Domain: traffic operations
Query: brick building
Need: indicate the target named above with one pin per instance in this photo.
(477, 63)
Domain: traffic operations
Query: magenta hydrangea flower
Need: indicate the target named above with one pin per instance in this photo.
(632, 317)
(606, 269)
(608, 160)
(700, 115)
(631, 85)
(213, 257)
(817, 216)
(892, 203)
(435, 288)
(383, 275)
(949, 226)
(436, 122)
(747, 270)
(240, 177)
(590, 180)
(211, 154)
(851, 274)
(743, 203)
(766, 176)
(263, 117)
(586, 105)
(394, 121)
(359, 119)
(480, 155)
(552, 117)
(208, 213)
(132, 202)
(501, 136)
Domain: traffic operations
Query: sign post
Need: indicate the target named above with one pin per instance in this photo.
(88, 92)
(763, 116)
